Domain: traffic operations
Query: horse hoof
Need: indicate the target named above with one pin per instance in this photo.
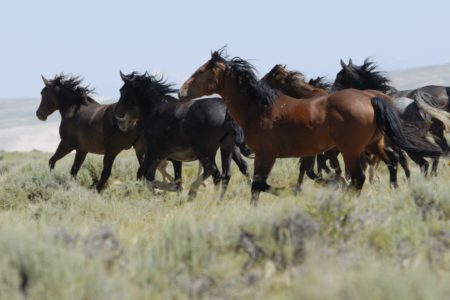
(297, 190)
(275, 191)
(158, 192)
(191, 196)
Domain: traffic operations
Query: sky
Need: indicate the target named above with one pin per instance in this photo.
(96, 38)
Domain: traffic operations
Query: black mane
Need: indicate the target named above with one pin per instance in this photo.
(320, 82)
(371, 78)
(146, 81)
(72, 83)
(296, 75)
(245, 76)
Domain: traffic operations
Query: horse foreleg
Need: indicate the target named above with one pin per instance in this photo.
(322, 164)
(422, 162)
(434, 166)
(305, 164)
(62, 150)
(263, 166)
(108, 160)
(78, 161)
(139, 148)
(177, 166)
(225, 154)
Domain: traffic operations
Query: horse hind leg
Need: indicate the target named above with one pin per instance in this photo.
(354, 167)
(209, 168)
(403, 161)
(240, 162)
(162, 168)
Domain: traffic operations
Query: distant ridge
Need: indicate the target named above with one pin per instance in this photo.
(417, 77)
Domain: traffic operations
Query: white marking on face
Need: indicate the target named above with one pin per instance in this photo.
(183, 91)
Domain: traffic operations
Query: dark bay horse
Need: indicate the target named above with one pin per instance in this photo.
(180, 131)
(293, 84)
(86, 126)
(276, 125)
(415, 106)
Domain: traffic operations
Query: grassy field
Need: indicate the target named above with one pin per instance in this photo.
(61, 240)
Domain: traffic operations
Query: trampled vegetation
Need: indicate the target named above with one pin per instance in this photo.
(59, 239)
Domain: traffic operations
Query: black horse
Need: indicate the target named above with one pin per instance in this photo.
(86, 126)
(424, 107)
(180, 131)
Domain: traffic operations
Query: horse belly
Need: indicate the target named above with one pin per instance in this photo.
(183, 155)
(306, 146)
(91, 140)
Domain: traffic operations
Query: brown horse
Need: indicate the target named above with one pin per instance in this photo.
(276, 125)
(86, 126)
(293, 84)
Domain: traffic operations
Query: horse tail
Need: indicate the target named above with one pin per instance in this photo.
(402, 134)
(423, 99)
(239, 138)
(448, 92)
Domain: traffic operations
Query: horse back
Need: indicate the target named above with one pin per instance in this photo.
(94, 129)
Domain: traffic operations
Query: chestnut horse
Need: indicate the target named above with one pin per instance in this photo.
(293, 84)
(276, 125)
(87, 126)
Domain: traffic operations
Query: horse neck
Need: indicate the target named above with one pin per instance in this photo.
(304, 90)
(67, 104)
(149, 103)
(241, 107)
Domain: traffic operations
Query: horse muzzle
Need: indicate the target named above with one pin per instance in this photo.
(41, 116)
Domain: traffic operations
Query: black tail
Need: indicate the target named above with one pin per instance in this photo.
(402, 134)
(239, 138)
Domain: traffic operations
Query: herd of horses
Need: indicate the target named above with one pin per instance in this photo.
(280, 115)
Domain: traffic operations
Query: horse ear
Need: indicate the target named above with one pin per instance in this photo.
(350, 62)
(122, 76)
(344, 66)
(46, 81)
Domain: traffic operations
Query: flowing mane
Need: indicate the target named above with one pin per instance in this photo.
(320, 82)
(146, 81)
(73, 84)
(371, 77)
(244, 74)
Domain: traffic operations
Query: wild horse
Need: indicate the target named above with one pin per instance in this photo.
(293, 84)
(86, 126)
(276, 125)
(180, 131)
(426, 107)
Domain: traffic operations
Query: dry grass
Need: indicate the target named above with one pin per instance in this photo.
(61, 240)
